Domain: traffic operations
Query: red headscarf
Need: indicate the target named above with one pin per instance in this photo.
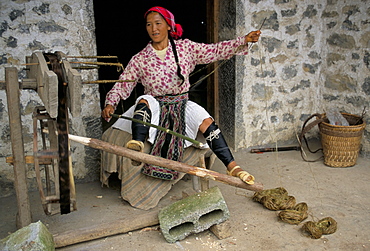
(176, 29)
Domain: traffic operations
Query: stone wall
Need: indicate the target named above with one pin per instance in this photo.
(48, 26)
(312, 55)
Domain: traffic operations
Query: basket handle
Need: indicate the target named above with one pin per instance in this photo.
(306, 128)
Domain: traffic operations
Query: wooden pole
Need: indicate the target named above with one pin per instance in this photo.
(174, 165)
(107, 229)
(19, 162)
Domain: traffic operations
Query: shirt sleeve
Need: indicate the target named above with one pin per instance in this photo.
(207, 53)
(122, 90)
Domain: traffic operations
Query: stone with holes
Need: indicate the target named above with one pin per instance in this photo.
(33, 237)
(193, 214)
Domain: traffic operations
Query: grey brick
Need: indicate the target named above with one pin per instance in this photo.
(193, 214)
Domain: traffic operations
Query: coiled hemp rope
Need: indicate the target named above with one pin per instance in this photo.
(275, 199)
(295, 215)
(278, 199)
(324, 226)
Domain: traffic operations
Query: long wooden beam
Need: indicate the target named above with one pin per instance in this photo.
(174, 165)
(94, 232)
(24, 217)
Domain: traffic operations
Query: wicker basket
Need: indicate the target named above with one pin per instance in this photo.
(341, 144)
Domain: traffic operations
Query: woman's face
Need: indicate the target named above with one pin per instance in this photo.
(157, 27)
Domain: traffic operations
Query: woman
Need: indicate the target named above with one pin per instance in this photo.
(163, 68)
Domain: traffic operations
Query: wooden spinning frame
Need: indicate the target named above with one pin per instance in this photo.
(46, 162)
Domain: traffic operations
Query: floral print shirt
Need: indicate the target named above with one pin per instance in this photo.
(159, 77)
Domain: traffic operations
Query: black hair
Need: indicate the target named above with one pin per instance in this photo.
(176, 59)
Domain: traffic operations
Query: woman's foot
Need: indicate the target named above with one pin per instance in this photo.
(236, 171)
(136, 146)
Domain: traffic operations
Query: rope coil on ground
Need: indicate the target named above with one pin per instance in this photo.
(296, 215)
(278, 199)
(275, 199)
(324, 226)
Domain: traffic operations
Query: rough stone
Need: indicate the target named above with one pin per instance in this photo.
(342, 40)
(293, 44)
(302, 85)
(11, 42)
(314, 55)
(329, 97)
(275, 106)
(292, 29)
(332, 58)
(255, 61)
(24, 28)
(279, 59)
(261, 91)
(15, 14)
(289, 72)
(366, 86)
(332, 2)
(365, 40)
(51, 26)
(304, 117)
(350, 10)
(34, 237)
(289, 13)
(222, 230)
(67, 9)
(274, 119)
(340, 82)
(271, 43)
(42, 9)
(3, 59)
(281, 1)
(310, 39)
(36, 45)
(348, 25)
(367, 59)
(193, 214)
(357, 101)
(331, 25)
(294, 101)
(3, 27)
(266, 74)
(355, 56)
(327, 14)
(271, 21)
(311, 68)
(310, 11)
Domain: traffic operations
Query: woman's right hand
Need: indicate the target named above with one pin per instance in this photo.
(106, 113)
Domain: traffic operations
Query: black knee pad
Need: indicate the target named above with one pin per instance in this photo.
(139, 130)
(218, 144)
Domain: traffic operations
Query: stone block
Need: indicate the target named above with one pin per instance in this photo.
(222, 230)
(193, 214)
(34, 237)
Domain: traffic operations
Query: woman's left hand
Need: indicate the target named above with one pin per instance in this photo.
(252, 37)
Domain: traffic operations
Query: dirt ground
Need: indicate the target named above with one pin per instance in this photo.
(341, 193)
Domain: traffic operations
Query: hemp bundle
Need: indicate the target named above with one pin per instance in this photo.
(296, 215)
(275, 199)
(324, 226)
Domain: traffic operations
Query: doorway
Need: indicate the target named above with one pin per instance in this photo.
(120, 31)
